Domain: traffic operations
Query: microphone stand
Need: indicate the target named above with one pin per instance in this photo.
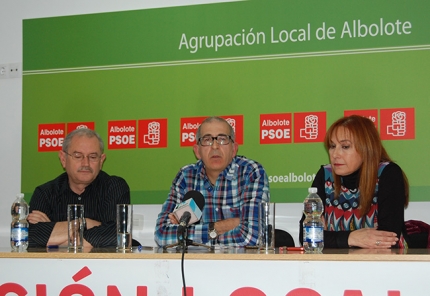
(188, 242)
(184, 242)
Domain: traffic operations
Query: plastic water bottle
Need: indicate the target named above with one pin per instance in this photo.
(313, 228)
(19, 225)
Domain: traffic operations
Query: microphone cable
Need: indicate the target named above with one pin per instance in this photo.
(199, 201)
(184, 245)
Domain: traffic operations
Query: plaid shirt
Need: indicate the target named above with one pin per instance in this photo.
(237, 193)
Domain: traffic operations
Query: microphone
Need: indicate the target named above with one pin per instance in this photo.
(185, 219)
(190, 210)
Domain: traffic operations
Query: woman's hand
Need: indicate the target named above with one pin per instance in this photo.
(371, 238)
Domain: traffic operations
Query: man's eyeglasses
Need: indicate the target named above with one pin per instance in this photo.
(79, 156)
(220, 139)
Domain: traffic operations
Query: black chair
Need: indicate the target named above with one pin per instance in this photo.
(134, 243)
(283, 238)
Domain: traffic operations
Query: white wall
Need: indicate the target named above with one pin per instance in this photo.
(12, 12)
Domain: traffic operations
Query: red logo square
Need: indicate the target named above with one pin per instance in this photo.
(152, 133)
(51, 137)
(236, 122)
(71, 126)
(275, 128)
(372, 114)
(122, 134)
(189, 126)
(309, 127)
(397, 124)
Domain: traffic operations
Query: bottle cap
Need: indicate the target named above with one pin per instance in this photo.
(20, 195)
(312, 190)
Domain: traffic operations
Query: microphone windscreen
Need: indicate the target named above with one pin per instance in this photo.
(186, 217)
(197, 196)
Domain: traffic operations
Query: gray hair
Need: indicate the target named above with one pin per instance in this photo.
(80, 132)
(211, 119)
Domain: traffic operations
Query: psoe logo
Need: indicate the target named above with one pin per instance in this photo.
(71, 126)
(122, 134)
(397, 124)
(188, 130)
(236, 122)
(275, 128)
(152, 133)
(190, 125)
(371, 114)
(309, 127)
(51, 137)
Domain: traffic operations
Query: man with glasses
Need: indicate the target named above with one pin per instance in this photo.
(233, 186)
(83, 182)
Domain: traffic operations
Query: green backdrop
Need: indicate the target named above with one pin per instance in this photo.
(135, 65)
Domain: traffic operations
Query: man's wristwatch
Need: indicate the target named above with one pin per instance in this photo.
(212, 231)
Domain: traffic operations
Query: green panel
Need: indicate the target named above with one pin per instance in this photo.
(378, 79)
(157, 35)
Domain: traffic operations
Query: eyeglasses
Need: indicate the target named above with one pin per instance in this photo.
(220, 139)
(79, 156)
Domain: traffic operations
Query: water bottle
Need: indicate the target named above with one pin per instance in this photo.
(19, 225)
(313, 227)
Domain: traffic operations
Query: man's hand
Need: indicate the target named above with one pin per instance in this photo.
(37, 216)
(90, 223)
(59, 234)
(173, 219)
(223, 226)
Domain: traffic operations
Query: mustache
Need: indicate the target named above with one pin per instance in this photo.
(85, 168)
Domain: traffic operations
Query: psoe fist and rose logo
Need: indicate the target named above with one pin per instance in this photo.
(307, 127)
(395, 123)
(145, 133)
(190, 125)
(277, 128)
(51, 136)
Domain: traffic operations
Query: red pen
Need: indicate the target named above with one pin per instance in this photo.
(285, 249)
(295, 249)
